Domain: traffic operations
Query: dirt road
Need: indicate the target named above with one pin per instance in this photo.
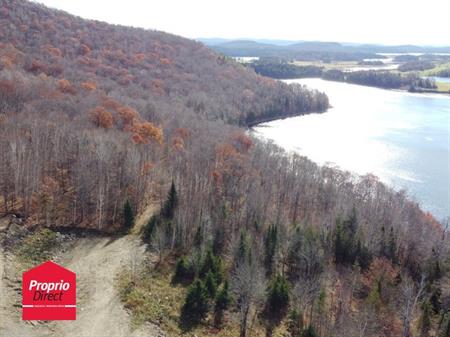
(96, 261)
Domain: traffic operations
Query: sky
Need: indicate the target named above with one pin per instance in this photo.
(360, 21)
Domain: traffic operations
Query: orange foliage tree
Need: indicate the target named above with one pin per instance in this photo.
(66, 87)
(88, 85)
(127, 116)
(145, 132)
(102, 117)
(84, 50)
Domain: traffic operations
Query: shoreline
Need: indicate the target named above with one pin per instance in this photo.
(271, 119)
(263, 128)
(419, 91)
(275, 118)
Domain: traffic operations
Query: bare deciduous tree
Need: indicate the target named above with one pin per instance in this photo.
(248, 286)
(411, 294)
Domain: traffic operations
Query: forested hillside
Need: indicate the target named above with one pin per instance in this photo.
(97, 121)
(89, 108)
(126, 61)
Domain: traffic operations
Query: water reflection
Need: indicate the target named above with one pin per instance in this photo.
(402, 138)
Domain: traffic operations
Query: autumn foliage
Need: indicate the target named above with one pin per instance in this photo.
(66, 87)
(94, 115)
(90, 86)
(102, 117)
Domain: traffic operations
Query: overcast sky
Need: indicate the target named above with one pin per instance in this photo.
(376, 21)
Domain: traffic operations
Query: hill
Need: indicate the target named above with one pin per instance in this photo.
(299, 51)
(42, 42)
(99, 83)
(314, 50)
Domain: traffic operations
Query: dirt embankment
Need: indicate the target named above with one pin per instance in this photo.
(96, 261)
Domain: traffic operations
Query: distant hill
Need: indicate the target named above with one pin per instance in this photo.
(306, 50)
(216, 41)
(404, 49)
(300, 50)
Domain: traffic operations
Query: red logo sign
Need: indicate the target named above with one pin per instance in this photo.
(49, 293)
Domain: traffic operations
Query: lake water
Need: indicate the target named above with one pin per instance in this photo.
(403, 138)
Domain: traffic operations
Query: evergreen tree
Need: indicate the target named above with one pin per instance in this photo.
(374, 297)
(149, 228)
(309, 332)
(210, 284)
(446, 327)
(256, 226)
(128, 216)
(383, 250)
(425, 319)
(435, 299)
(270, 247)
(183, 271)
(338, 244)
(218, 241)
(352, 221)
(170, 204)
(321, 301)
(363, 256)
(213, 264)
(221, 305)
(434, 267)
(345, 244)
(195, 306)
(218, 270)
(223, 298)
(295, 323)
(392, 246)
(198, 238)
(278, 297)
(208, 263)
(243, 252)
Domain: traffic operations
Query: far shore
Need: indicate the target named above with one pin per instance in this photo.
(418, 91)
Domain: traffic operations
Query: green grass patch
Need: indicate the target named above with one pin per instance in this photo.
(152, 298)
(435, 71)
(38, 246)
(444, 87)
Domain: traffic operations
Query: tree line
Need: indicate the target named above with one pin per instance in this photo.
(380, 79)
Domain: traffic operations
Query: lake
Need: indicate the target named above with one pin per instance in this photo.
(403, 138)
